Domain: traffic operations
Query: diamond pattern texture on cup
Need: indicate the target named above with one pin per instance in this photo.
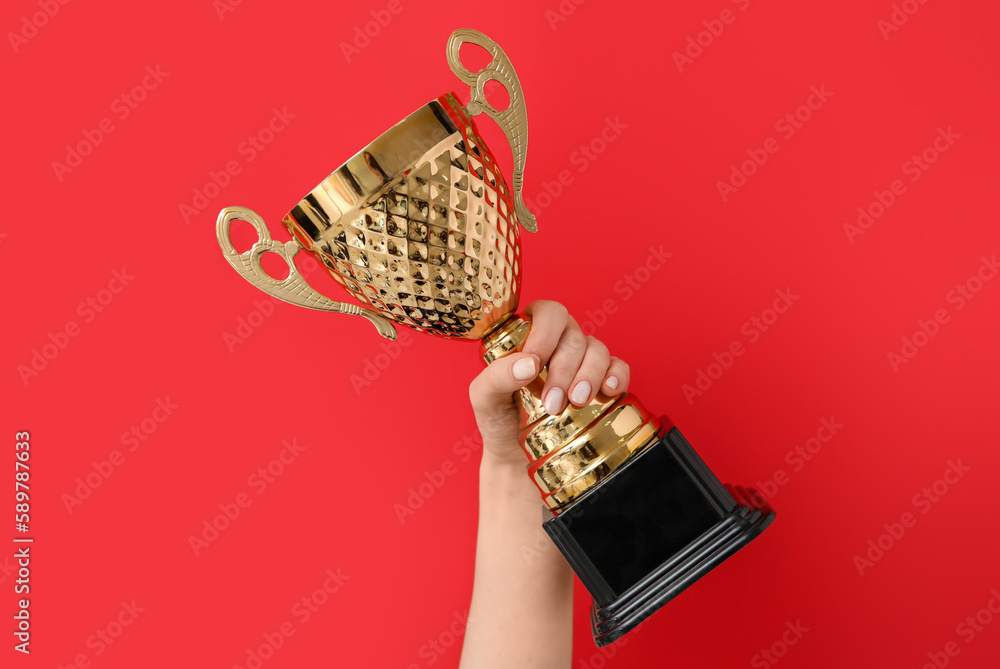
(438, 248)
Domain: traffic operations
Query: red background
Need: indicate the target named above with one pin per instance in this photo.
(656, 184)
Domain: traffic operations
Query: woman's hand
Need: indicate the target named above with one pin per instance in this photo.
(579, 367)
(522, 609)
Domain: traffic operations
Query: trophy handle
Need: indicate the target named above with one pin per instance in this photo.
(513, 120)
(294, 289)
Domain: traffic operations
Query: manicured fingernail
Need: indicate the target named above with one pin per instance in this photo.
(612, 382)
(581, 393)
(553, 401)
(524, 368)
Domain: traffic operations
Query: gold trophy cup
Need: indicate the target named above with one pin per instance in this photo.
(421, 227)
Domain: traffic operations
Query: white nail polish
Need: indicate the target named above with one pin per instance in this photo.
(553, 401)
(524, 368)
(612, 382)
(581, 392)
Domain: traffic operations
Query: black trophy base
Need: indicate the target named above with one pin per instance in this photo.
(650, 530)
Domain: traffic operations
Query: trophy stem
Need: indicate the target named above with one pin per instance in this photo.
(571, 452)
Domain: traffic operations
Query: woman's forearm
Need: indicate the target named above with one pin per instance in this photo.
(522, 598)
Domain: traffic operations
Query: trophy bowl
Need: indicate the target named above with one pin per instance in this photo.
(422, 229)
(420, 225)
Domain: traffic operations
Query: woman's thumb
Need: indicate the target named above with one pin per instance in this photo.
(495, 384)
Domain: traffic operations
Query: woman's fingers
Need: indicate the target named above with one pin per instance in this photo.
(578, 366)
(493, 387)
(617, 377)
(563, 366)
(548, 320)
(591, 374)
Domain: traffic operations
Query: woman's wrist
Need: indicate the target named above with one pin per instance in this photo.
(506, 467)
(503, 476)
(504, 456)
